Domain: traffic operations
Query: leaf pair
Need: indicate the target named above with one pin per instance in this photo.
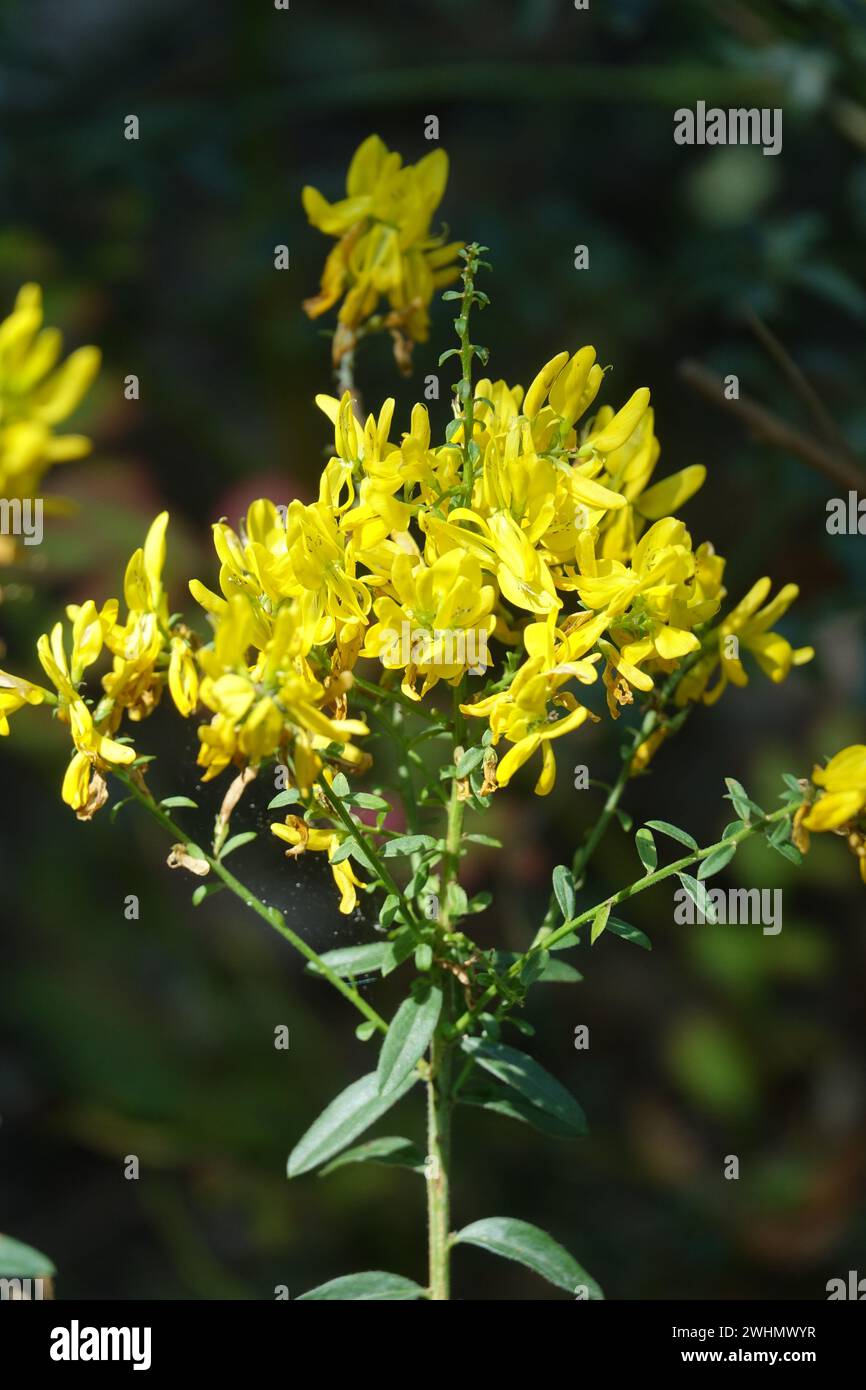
(499, 1235)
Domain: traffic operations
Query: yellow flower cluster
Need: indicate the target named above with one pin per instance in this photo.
(37, 393)
(558, 548)
(384, 246)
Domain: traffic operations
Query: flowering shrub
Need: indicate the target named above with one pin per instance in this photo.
(531, 560)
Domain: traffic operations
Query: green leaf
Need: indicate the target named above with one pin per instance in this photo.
(390, 1151)
(408, 1038)
(365, 1031)
(489, 840)
(236, 841)
(566, 942)
(553, 972)
(524, 1075)
(343, 850)
(471, 759)
(628, 933)
(398, 950)
(407, 844)
(170, 801)
(340, 786)
(559, 972)
(733, 828)
(205, 890)
(599, 922)
(532, 1247)
(698, 894)
(20, 1261)
(738, 795)
(118, 807)
(347, 1116)
(674, 832)
(534, 966)
(786, 849)
(388, 910)
(372, 1285)
(563, 887)
(353, 960)
(715, 862)
(423, 957)
(290, 797)
(646, 848)
(514, 1107)
(369, 801)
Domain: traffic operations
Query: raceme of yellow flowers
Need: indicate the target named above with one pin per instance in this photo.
(37, 393)
(384, 246)
(555, 566)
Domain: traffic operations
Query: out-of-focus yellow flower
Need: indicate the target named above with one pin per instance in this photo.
(37, 393)
(384, 248)
(95, 751)
(301, 837)
(15, 693)
(138, 674)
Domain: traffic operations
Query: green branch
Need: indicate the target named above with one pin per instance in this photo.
(271, 915)
(550, 939)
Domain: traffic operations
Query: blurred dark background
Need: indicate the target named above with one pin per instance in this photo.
(155, 1037)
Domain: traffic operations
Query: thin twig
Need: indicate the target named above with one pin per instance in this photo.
(771, 430)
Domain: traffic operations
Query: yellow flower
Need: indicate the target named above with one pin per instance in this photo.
(437, 624)
(36, 394)
(840, 805)
(843, 783)
(137, 677)
(521, 714)
(15, 693)
(746, 628)
(301, 837)
(182, 676)
(95, 750)
(384, 248)
(261, 708)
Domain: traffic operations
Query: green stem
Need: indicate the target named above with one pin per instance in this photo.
(271, 915)
(439, 1089)
(437, 1167)
(583, 854)
(367, 848)
(467, 350)
(548, 941)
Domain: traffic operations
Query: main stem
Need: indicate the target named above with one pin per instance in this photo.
(439, 1092)
(438, 1168)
